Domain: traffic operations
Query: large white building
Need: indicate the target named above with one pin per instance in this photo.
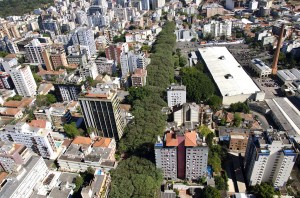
(85, 37)
(22, 78)
(22, 185)
(130, 61)
(269, 157)
(218, 28)
(89, 70)
(176, 95)
(34, 51)
(13, 156)
(157, 4)
(39, 140)
(232, 81)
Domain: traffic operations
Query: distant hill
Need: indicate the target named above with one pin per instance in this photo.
(20, 7)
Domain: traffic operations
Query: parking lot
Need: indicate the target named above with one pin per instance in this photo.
(270, 86)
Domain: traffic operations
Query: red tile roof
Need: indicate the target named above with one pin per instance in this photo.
(102, 142)
(38, 123)
(82, 140)
(190, 138)
(171, 139)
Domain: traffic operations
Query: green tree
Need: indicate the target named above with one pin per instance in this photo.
(15, 97)
(50, 98)
(37, 78)
(209, 139)
(146, 48)
(3, 53)
(199, 86)
(237, 120)
(78, 183)
(264, 190)
(221, 182)
(204, 130)
(239, 107)
(45, 100)
(200, 66)
(211, 192)
(71, 130)
(21, 7)
(182, 61)
(215, 161)
(135, 177)
(215, 102)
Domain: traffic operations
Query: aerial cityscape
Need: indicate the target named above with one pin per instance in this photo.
(149, 98)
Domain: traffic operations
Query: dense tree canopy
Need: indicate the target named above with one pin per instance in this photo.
(15, 97)
(138, 177)
(210, 192)
(3, 53)
(45, 100)
(21, 7)
(199, 86)
(135, 177)
(239, 107)
(264, 190)
(71, 130)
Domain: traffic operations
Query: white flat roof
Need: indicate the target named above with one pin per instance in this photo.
(227, 73)
(260, 65)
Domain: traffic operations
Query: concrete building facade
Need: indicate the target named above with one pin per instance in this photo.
(269, 157)
(181, 155)
(176, 94)
(101, 110)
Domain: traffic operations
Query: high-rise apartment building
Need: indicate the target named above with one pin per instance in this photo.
(157, 4)
(13, 156)
(34, 51)
(6, 81)
(22, 184)
(181, 155)
(39, 140)
(67, 92)
(218, 28)
(85, 37)
(130, 61)
(22, 77)
(269, 157)
(51, 25)
(54, 56)
(81, 18)
(113, 51)
(101, 110)
(176, 95)
(145, 4)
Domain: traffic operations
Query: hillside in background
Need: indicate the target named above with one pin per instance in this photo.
(20, 7)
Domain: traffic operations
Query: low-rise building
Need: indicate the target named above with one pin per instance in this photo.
(83, 152)
(235, 138)
(260, 68)
(139, 77)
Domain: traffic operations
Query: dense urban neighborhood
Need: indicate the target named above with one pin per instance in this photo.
(149, 98)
